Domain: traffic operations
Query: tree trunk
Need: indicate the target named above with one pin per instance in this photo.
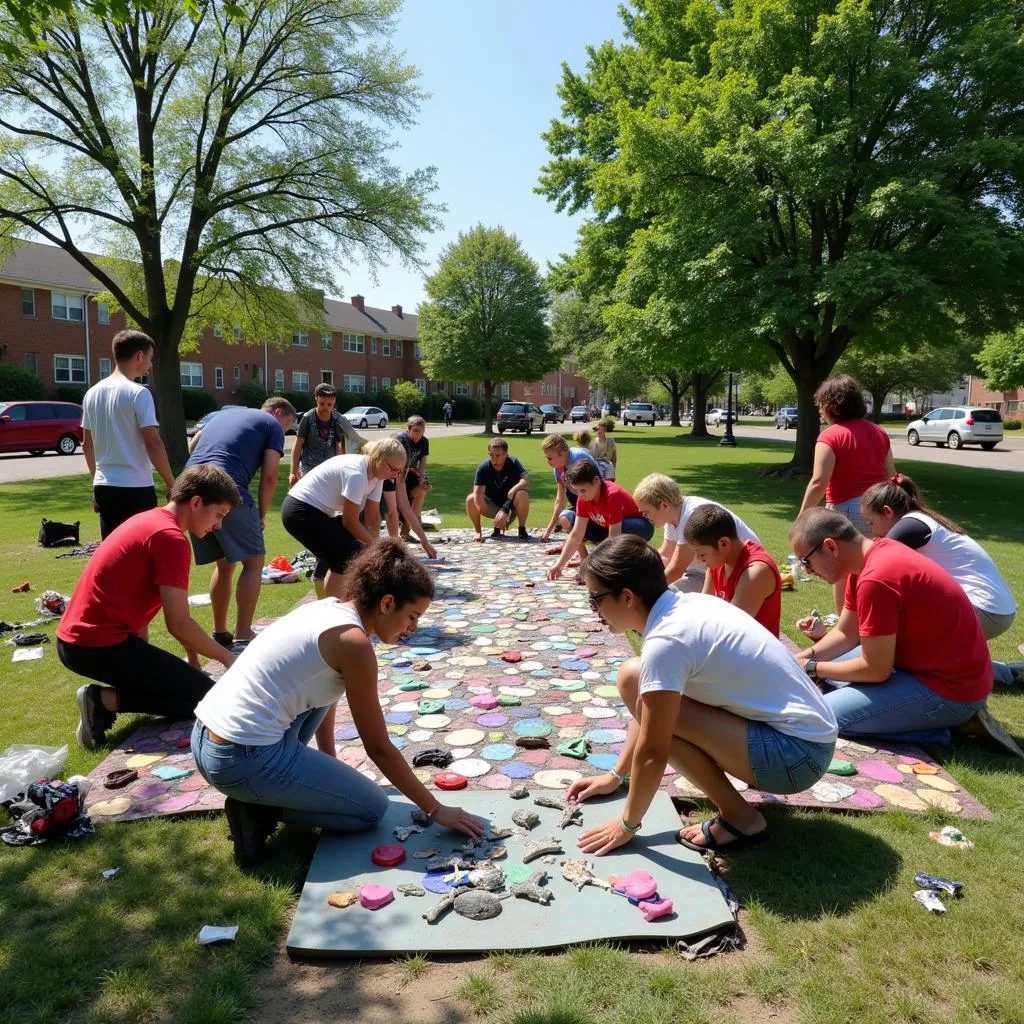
(676, 393)
(488, 396)
(166, 374)
(702, 383)
(877, 401)
(807, 428)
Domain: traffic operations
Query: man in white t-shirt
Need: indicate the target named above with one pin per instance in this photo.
(661, 501)
(121, 438)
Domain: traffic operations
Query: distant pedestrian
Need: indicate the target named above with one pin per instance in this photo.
(449, 412)
(121, 437)
(603, 449)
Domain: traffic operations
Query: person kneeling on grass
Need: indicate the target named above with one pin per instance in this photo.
(661, 501)
(252, 730)
(560, 457)
(141, 567)
(501, 491)
(739, 571)
(603, 510)
(712, 692)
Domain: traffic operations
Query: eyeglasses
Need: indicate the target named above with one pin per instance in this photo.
(594, 600)
(396, 469)
(805, 562)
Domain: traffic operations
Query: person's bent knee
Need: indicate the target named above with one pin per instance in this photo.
(628, 681)
(376, 806)
(519, 497)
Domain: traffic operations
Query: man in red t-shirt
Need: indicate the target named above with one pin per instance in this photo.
(916, 663)
(141, 567)
(603, 510)
(740, 572)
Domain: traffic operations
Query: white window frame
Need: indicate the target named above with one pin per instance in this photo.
(106, 368)
(373, 385)
(103, 313)
(355, 343)
(237, 374)
(354, 383)
(72, 373)
(300, 381)
(191, 382)
(327, 341)
(503, 391)
(279, 380)
(399, 348)
(218, 378)
(327, 377)
(462, 390)
(300, 339)
(422, 385)
(30, 294)
(217, 331)
(68, 303)
(417, 351)
(260, 377)
(385, 383)
(385, 346)
(31, 362)
(373, 345)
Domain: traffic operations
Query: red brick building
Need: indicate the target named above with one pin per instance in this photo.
(51, 323)
(1009, 403)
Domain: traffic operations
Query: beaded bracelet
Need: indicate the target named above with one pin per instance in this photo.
(623, 779)
(631, 829)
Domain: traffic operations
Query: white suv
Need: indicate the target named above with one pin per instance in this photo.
(638, 412)
(956, 426)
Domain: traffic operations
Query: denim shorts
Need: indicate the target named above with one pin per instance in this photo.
(239, 537)
(785, 764)
(851, 508)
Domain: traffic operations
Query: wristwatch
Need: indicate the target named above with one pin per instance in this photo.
(811, 667)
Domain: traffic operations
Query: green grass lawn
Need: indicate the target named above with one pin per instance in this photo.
(838, 937)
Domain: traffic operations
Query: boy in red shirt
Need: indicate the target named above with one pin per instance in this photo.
(603, 510)
(908, 655)
(141, 567)
(740, 572)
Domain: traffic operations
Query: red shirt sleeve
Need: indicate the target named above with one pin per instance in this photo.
(834, 436)
(171, 558)
(878, 608)
(850, 595)
(617, 507)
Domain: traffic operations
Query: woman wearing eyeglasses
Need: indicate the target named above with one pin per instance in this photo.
(713, 692)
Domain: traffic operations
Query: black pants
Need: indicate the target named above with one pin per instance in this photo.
(116, 504)
(147, 679)
(325, 536)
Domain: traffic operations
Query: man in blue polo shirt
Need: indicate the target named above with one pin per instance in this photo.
(241, 442)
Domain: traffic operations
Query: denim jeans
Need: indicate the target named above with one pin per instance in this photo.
(902, 708)
(637, 525)
(312, 789)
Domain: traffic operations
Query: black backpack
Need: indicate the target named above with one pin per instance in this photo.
(58, 535)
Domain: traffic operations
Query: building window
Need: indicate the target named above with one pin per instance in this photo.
(373, 385)
(237, 374)
(191, 375)
(259, 375)
(527, 389)
(462, 390)
(103, 312)
(398, 348)
(503, 390)
(422, 385)
(218, 377)
(217, 332)
(300, 339)
(385, 347)
(327, 340)
(373, 346)
(28, 302)
(354, 382)
(327, 377)
(66, 307)
(236, 333)
(105, 368)
(69, 369)
(353, 343)
(279, 380)
(385, 383)
(32, 362)
(300, 381)
(418, 352)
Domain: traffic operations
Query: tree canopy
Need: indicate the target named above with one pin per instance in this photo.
(780, 174)
(1001, 360)
(485, 318)
(227, 165)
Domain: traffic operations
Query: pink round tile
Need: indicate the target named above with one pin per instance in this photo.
(571, 720)
(497, 782)
(177, 803)
(535, 756)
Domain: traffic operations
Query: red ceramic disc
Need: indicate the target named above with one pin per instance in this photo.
(388, 856)
(512, 656)
(450, 780)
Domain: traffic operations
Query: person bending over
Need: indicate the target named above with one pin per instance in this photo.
(403, 499)
(603, 510)
(560, 457)
(907, 659)
(712, 692)
(501, 491)
(252, 730)
(662, 502)
(141, 568)
(739, 571)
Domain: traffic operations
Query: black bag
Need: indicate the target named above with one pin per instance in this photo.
(58, 535)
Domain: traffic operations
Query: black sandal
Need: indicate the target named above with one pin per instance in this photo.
(740, 840)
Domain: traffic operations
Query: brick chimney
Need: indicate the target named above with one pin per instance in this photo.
(397, 310)
(357, 301)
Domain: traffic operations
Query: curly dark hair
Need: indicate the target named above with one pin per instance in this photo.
(385, 567)
(841, 398)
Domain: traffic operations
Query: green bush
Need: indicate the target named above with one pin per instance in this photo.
(409, 398)
(302, 400)
(381, 399)
(252, 394)
(69, 393)
(609, 423)
(19, 384)
(197, 403)
(1013, 424)
(467, 408)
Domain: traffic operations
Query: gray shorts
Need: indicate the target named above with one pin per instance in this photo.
(238, 538)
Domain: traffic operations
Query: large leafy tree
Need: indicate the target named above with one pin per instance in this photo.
(485, 318)
(228, 159)
(806, 166)
(1001, 360)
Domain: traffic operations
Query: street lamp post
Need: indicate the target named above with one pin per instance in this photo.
(728, 440)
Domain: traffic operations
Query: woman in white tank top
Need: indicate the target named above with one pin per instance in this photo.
(253, 728)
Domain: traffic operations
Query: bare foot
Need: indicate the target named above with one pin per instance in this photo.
(478, 538)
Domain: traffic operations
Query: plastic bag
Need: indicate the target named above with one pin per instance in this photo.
(23, 763)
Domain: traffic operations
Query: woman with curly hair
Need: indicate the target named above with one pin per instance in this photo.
(252, 729)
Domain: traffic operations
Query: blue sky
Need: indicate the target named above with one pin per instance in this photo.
(491, 69)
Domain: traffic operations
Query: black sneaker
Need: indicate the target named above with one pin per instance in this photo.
(495, 533)
(90, 732)
(225, 639)
(246, 832)
(524, 534)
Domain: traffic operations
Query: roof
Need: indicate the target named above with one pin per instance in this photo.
(33, 263)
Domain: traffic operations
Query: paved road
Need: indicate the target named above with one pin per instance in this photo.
(29, 467)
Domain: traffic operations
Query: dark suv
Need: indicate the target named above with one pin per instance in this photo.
(553, 413)
(524, 416)
(37, 426)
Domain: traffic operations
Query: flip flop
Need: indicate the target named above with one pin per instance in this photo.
(740, 841)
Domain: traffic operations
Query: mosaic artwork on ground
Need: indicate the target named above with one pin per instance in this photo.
(512, 678)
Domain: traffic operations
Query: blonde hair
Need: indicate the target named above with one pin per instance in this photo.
(554, 442)
(656, 488)
(416, 421)
(385, 450)
(583, 438)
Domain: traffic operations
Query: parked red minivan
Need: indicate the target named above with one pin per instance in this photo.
(37, 426)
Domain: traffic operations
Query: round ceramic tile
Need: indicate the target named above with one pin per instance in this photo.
(109, 808)
(607, 691)
(499, 752)
(482, 641)
(424, 774)
(604, 762)
(469, 662)
(580, 697)
(533, 727)
(559, 778)
(398, 730)
(438, 693)
(433, 721)
(540, 645)
(497, 781)
(454, 673)
(531, 666)
(418, 735)
(554, 710)
(461, 752)
(464, 738)
(516, 769)
(606, 735)
(570, 732)
(517, 691)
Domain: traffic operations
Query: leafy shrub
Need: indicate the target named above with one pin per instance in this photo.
(19, 384)
(69, 393)
(1012, 424)
(252, 394)
(467, 408)
(197, 403)
(609, 423)
(302, 400)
